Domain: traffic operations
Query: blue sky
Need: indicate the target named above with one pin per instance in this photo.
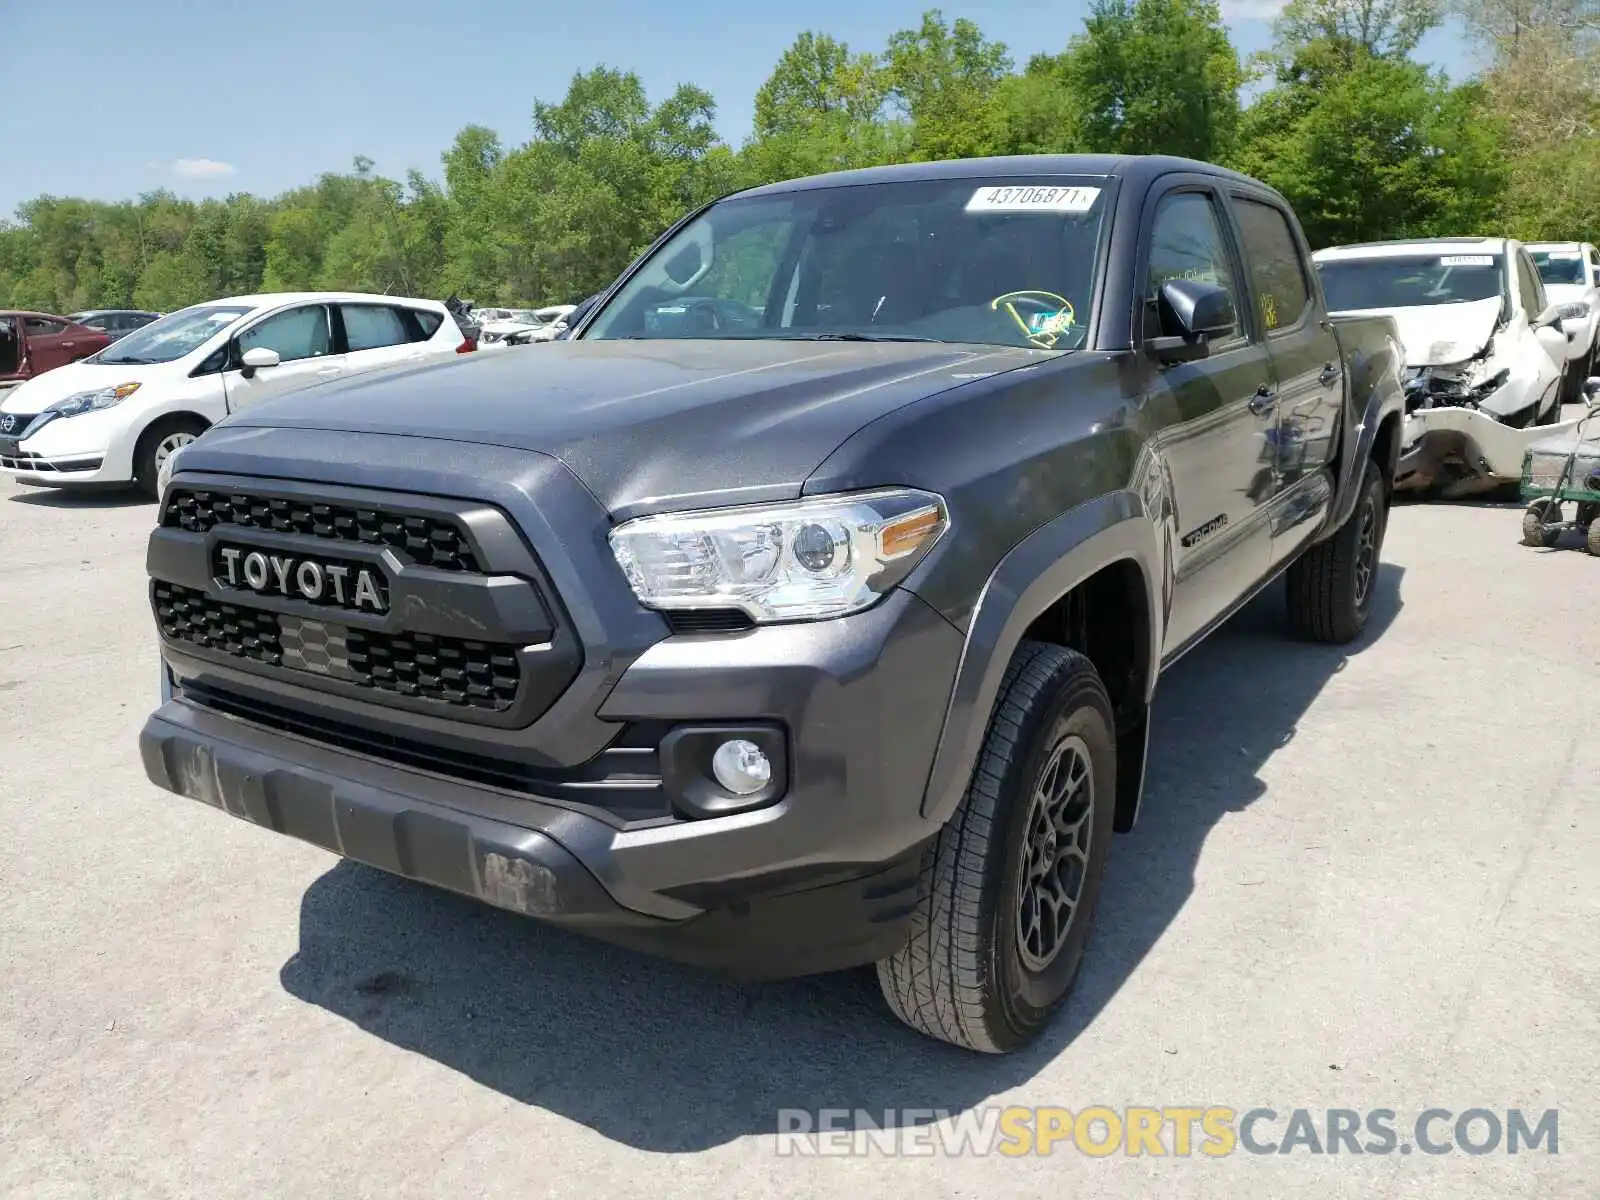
(206, 97)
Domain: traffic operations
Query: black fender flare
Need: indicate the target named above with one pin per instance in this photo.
(1033, 575)
(1385, 396)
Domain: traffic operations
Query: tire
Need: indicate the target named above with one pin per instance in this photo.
(1591, 541)
(1331, 585)
(1539, 526)
(971, 973)
(156, 443)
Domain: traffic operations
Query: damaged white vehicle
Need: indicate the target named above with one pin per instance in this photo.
(1485, 352)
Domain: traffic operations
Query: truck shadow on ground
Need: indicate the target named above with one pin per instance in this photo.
(665, 1059)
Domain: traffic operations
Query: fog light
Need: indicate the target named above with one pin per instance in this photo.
(741, 767)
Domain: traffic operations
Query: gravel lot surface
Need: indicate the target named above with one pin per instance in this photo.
(1364, 879)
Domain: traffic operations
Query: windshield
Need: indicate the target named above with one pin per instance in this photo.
(1006, 262)
(1559, 266)
(1412, 281)
(173, 336)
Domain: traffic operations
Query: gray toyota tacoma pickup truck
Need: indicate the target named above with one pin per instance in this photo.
(804, 610)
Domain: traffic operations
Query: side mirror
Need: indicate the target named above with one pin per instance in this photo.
(257, 357)
(681, 267)
(1554, 340)
(1193, 313)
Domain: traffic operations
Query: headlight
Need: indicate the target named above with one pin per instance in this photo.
(800, 561)
(1491, 385)
(83, 402)
(1577, 310)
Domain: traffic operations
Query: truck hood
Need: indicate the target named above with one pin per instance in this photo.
(1436, 335)
(651, 423)
(36, 394)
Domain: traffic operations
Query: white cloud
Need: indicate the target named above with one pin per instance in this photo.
(1251, 10)
(201, 168)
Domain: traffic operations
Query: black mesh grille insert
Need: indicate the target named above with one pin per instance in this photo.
(455, 671)
(428, 541)
(185, 615)
(479, 674)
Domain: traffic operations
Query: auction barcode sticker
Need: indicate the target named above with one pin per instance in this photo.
(1467, 260)
(1031, 198)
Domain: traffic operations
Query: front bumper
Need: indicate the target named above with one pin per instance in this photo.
(823, 878)
(1451, 444)
(67, 451)
(374, 816)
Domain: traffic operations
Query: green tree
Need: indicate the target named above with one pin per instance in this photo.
(1154, 77)
(822, 109)
(1381, 150)
(1374, 28)
(944, 82)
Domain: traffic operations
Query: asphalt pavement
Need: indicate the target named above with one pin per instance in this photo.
(1365, 879)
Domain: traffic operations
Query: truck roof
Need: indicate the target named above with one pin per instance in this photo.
(1136, 168)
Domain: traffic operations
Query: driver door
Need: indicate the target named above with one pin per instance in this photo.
(1216, 423)
(303, 339)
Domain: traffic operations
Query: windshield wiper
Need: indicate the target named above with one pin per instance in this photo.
(864, 337)
(130, 362)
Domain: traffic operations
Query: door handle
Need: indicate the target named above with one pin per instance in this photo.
(1329, 376)
(1263, 400)
(68, 345)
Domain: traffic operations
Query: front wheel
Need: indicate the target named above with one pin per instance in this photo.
(1331, 585)
(1010, 884)
(157, 444)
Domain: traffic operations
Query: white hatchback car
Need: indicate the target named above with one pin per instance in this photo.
(113, 418)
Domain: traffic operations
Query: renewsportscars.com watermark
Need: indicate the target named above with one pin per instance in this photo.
(1100, 1131)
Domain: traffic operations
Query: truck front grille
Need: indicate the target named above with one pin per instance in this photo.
(452, 671)
(426, 540)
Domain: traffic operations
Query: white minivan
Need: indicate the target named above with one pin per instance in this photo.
(113, 418)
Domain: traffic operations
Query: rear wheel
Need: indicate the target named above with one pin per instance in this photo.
(1591, 540)
(1009, 887)
(157, 444)
(1331, 585)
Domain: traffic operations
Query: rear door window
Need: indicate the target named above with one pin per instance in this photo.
(372, 327)
(1276, 268)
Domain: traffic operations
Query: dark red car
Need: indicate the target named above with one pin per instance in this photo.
(32, 343)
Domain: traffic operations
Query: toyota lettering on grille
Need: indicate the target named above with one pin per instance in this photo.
(319, 581)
